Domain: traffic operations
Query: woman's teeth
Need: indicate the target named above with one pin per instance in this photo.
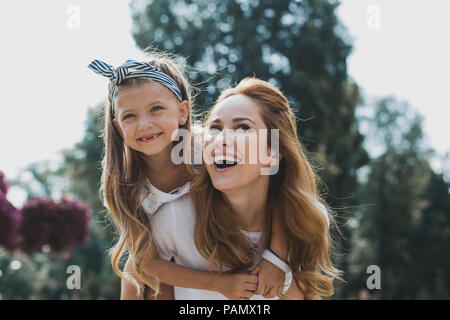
(225, 162)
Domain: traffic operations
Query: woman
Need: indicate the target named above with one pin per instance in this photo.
(226, 222)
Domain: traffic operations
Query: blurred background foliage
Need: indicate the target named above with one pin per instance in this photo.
(393, 210)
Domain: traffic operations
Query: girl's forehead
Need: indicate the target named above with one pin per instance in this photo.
(142, 93)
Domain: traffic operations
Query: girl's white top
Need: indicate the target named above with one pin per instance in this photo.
(155, 198)
(173, 235)
(172, 222)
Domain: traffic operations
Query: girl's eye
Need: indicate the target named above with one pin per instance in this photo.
(243, 126)
(128, 116)
(157, 108)
(214, 128)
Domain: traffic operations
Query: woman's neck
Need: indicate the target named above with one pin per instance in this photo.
(249, 203)
(163, 173)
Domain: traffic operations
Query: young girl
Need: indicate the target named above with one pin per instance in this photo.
(227, 221)
(147, 103)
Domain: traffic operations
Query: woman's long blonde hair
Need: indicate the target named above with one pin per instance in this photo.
(292, 197)
(124, 178)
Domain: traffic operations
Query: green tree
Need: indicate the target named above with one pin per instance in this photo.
(404, 199)
(430, 241)
(82, 163)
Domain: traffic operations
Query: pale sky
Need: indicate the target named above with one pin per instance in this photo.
(404, 53)
(46, 86)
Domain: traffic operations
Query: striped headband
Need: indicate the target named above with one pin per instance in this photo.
(133, 69)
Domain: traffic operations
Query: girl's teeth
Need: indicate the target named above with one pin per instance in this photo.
(145, 139)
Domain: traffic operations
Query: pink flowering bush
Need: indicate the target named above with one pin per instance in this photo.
(59, 225)
(10, 218)
(3, 183)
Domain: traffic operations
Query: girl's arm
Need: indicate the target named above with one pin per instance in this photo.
(270, 277)
(176, 275)
(234, 286)
(164, 228)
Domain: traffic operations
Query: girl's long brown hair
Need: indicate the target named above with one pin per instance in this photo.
(292, 197)
(124, 179)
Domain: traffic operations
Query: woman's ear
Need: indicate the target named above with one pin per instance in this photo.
(116, 124)
(184, 109)
(272, 167)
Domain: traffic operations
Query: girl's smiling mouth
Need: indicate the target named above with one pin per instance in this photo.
(150, 137)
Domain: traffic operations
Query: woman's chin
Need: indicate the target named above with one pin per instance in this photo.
(226, 186)
(220, 185)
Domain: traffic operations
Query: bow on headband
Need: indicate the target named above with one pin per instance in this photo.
(134, 69)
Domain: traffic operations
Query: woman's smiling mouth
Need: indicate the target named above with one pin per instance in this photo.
(225, 163)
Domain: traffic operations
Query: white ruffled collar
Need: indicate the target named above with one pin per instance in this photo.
(155, 198)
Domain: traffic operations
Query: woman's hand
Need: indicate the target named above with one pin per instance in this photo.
(236, 286)
(270, 279)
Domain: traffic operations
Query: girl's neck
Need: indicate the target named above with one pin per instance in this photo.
(163, 173)
(249, 203)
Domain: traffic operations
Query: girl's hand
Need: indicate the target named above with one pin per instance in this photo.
(270, 279)
(236, 286)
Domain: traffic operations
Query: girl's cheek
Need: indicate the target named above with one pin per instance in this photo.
(126, 127)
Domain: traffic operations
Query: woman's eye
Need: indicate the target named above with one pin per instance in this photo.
(157, 108)
(243, 126)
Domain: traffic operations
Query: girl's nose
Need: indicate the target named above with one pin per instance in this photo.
(145, 122)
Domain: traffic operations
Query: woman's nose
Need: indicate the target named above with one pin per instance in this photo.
(225, 137)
